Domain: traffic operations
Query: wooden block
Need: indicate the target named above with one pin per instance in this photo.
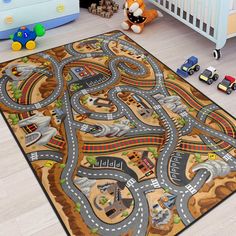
(93, 5)
(103, 13)
(94, 11)
(109, 8)
(108, 15)
(99, 8)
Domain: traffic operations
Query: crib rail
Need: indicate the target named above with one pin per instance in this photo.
(207, 17)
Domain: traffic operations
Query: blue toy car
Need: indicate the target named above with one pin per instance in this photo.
(189, 67)
(26, 38)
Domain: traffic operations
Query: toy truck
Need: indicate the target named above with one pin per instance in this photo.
(228, 84)
(189, 67)
(209, 75)
(26, 38)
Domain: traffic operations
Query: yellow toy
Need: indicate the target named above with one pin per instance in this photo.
(137, 15)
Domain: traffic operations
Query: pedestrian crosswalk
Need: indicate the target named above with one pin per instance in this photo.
(184, 114)
(109, 116)
(157, 107)
(155, 183)
(227, 157)
(38, 106)
(84, 127)
(191, 189)
(84, 92)
(34, 156)
(158, 75)
(118, 89)
(130, 182)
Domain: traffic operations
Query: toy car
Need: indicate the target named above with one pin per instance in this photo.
(26, 38)
(209, 75)
(189, 67)
(228, 84)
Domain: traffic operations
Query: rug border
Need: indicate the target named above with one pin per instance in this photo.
(33, 170)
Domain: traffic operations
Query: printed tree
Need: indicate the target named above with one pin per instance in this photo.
(59, 104)
(68, 78)
(125, 213)
(78, 207)
(75, 87)
(25, 59)
(198, 158)
(103, 200)
(62, 181)
(182, 121)
(91, 160)
(155, 115)
(94, 230)
(84, 99)
(153, 151)
(17, 93)
(171, 76)
(14, 119)
(62, 165)
(177, 219)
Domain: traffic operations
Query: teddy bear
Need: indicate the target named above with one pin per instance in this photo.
(137, 15)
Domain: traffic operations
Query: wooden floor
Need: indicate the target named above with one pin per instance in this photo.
(24, 209)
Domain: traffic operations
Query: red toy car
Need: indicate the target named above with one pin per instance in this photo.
(228, 84)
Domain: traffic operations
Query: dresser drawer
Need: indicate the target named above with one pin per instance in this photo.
(11, 4)
(36, 13)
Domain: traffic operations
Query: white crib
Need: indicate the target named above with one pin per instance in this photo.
(214, 19)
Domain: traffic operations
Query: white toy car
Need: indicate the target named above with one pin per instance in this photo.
(209, 75)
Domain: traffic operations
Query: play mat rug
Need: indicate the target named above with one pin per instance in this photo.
(120, 144)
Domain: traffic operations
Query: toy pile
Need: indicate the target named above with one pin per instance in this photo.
(105, 8)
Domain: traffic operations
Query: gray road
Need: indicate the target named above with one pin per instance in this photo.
(45, 155)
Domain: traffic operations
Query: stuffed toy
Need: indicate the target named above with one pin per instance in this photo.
(137, 15)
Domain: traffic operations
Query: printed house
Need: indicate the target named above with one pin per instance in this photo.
(141, 160)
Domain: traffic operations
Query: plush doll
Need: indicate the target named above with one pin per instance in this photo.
(137, 15)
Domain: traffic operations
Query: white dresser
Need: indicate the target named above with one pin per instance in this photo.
(51, 13)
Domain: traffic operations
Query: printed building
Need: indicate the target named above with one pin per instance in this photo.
(118, 207)
(89, 44)
(82, 72)
(141, 160)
